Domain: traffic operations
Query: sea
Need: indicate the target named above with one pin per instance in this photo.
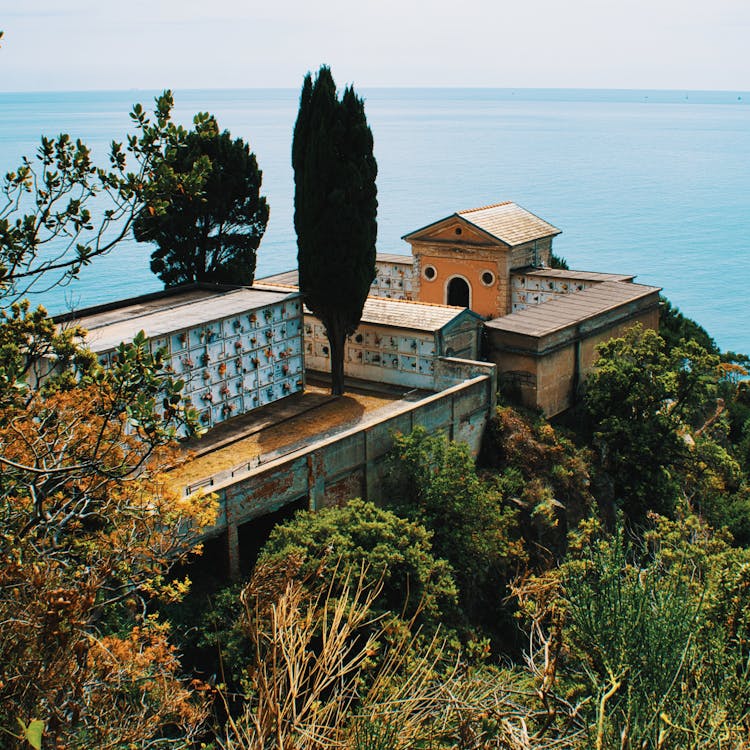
(654, 183)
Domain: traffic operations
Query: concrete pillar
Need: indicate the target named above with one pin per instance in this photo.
(233, 551)
(316, 480)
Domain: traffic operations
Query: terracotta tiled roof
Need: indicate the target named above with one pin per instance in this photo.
(509, 223)
(571, 309)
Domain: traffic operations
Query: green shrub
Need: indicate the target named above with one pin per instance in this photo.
(415, 580)
(435, 483)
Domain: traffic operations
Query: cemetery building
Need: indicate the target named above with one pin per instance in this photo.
(236, 348)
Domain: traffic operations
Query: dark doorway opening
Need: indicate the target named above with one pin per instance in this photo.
(458, 292)
(254, 534)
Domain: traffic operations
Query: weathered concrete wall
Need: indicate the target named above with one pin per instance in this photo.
(556, 379)
(450, 371)
(352, 464)
(534, 254)
(547, 372)
(588, 356)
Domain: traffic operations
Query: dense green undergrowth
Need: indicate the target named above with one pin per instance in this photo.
(577, 586)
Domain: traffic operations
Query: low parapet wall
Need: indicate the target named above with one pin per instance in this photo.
(350, 464)
(450, 371)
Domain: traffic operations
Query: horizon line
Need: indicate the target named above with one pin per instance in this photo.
(436, 87)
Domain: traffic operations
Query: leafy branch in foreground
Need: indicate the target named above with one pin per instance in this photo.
(59, 210)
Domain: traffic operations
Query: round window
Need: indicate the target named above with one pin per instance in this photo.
(488, 278)
(459, 230)
(430, 273)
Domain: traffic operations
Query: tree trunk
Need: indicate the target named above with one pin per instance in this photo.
(337, 340)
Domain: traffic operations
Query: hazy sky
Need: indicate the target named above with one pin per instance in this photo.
(156, 44)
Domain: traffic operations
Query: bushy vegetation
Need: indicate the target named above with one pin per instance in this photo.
(642, 635)
(204, 211)
(398, 556)
(669, 413)
(88, 532)
(89, 529)
(436, 484)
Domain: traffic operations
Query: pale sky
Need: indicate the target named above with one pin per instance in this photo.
(179, 44)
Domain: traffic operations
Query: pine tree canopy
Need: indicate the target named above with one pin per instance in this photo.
(212, 233)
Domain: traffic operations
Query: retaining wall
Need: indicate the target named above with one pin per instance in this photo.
(351, 464)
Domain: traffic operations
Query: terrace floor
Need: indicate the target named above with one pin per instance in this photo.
(283, 427)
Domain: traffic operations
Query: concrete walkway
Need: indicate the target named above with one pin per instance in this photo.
(277, 429)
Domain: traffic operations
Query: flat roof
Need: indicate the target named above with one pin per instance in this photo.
(396, 258)
(559, 273)
(161, 315)
(277, 429)
(285, 278)
(570, 309)
(291, 278)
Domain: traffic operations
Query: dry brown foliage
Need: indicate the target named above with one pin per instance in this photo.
(326, 674)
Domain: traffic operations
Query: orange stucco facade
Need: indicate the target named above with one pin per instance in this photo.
(451, 250)
(484, 298)
(543, 353)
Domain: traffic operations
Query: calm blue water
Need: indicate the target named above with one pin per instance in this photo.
(653, 183)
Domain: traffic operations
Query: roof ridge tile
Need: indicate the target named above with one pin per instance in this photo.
(482, 208)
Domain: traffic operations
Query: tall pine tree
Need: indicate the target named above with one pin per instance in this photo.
(335, 210)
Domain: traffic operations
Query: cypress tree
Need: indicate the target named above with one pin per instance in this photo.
(335, 210)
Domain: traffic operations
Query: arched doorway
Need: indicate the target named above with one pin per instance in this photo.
(458, 292)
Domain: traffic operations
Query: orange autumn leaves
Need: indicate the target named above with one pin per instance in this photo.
(88, 533)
